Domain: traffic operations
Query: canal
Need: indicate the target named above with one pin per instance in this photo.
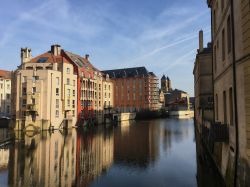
(154, 153)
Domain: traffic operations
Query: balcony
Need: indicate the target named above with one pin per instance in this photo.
(219, 132)
(216, 133)
(32, 107)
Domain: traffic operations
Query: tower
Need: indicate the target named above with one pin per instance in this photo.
(166, 84)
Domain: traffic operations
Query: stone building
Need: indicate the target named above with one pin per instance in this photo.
(135, 89)
(203, 82)
(166, 85)
(45, 91)
(5, 93)
(231, 81)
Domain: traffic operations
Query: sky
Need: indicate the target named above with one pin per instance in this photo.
(161, 35)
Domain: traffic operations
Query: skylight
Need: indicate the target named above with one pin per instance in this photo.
(42, 60)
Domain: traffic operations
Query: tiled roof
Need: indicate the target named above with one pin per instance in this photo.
(5, 74)
(48, 57)
(79, 61)
(127, 72)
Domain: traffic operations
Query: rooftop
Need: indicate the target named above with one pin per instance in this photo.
(128, 72)
(5, 74)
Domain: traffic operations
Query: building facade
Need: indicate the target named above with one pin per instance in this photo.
(203, 82)
(231, 65)
(5, 93)
(45, 91)
(135, 89)
(94, 89)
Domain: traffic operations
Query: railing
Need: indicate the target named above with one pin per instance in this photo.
(31, 107)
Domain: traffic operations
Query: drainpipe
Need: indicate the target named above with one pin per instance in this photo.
(50, 98)
(212, 45)
(235, 99)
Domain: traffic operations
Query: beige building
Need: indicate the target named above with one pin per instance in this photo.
(231, 78)
(203, 82)
(5, 93)
(45, 91)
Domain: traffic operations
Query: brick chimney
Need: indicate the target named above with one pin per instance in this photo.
(200, 41)
(56, 50)
(25, 55)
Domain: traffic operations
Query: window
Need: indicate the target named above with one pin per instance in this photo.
(215, 58)
(73, 103)
(109, 87)
(57, 113)
(24, 78)
(57, 81)
(225, 106)
(68, 71)
(24, 91)
(216, 106)
(229, 41)
(24, 102)
(68, 92)
(68, 81)
(57, 103)
(231, 105)
(74, 93)
(1, 85)
(34, 78)
(33, 101)
(73, 113)
(33, 89)
(68, 103)
(223, 45)
(8, 86)
(74, 82)
(8, 96)
(57, 91)
(214, 20)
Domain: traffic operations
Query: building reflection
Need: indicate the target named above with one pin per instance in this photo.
(44, 159)
(95, 150)
(136, 144)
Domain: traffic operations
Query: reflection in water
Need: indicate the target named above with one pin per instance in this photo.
(142, 154)
(137, 145)
(94, 154)
(46, 159)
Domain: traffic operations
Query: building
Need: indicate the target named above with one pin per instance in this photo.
(166, 85)
(135, 89)
(203, 82)
(45, 91)
(95, 89)
(177, 100)
(5, 93)
(231, 83)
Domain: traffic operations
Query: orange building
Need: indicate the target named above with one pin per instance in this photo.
(135, 89)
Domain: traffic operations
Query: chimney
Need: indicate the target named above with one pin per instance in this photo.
(25, 55)
(56, 50)
(87, 56)
(200, 41)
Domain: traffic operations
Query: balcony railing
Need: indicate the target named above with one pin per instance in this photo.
(31, 107)
(216, 133)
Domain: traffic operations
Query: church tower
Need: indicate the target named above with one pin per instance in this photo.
(166, 84)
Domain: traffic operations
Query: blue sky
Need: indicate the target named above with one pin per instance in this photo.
(161, 35)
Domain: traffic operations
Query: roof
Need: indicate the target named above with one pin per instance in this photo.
(163, 77)
(180, 91)
(80, 62)
(5, 74)
(48, 57)
(128, 72)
